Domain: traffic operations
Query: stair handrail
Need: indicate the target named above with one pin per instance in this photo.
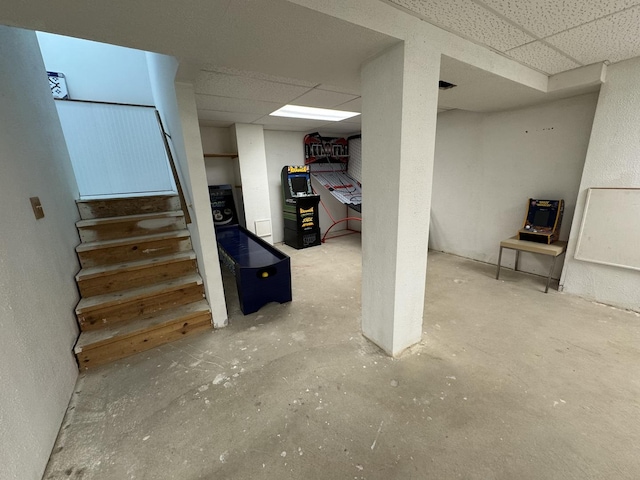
(174, 170)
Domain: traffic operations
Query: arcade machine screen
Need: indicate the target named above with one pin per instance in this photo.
(542, 222)
(541, 217)
(299, 185)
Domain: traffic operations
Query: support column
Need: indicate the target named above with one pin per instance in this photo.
(202, 232)
(399, 112)
(252, 159)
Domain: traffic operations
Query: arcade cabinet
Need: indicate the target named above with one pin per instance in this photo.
(542, 222)
(300, 208)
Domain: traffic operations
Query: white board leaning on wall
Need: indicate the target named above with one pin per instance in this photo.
(610, 229)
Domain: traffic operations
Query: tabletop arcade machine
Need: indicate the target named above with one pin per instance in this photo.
(542, 222)
(300, 208)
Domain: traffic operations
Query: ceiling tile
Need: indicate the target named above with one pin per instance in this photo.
(470, 20)
(256, 75)
(323, 98)
(547, 17)
(290, 128)
(344, 129)
(352, 106)
(228, 116)
(333, 88)
(224, 85)
(239, 105)
(290, 122)
(541, 56)
(613, 38)
(214, 123)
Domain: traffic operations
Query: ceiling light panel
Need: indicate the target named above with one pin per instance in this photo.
(312, 113)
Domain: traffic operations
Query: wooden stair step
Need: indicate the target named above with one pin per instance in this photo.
(109, 252)
(110, 228)
(122, 276)
(114, 207)
(100, 310)
(121, 340)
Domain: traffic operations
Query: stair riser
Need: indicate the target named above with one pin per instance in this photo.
(127, 206)
(128, 228)
(99, 355)
(134, 252)
(100, 316)
(123, 280)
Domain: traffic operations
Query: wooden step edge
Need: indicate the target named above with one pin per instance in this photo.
(91, 222)
(90, 273)
(84, 247)
(121, 199)
(125, 296)
(120, 331)
(143, 342)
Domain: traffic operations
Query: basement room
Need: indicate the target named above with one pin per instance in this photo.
(344, 239)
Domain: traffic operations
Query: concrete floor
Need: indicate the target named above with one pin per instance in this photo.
(508, 383)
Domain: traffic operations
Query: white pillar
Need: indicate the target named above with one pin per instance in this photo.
(399, 111)
(252, 159)
(203, 235)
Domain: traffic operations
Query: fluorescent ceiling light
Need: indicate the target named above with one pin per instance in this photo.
(311, 113)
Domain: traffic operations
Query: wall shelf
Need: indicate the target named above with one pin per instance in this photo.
(220, 155)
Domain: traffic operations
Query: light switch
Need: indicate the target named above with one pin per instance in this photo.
(37, 207)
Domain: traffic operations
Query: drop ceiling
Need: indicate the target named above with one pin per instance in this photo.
(308, 58)
(546, 35)
(551, 36)
(225, 96)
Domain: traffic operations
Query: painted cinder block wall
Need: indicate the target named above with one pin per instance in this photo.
(488, 164)
(611, 161)
(37, 262)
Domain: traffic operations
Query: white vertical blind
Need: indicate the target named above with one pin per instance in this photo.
(115, 149)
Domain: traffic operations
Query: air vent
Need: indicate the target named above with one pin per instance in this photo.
(442, 85)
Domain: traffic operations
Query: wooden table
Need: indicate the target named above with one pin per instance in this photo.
(555, 250)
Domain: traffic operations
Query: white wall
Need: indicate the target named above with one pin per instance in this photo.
(225, 170)
(488, 165)
(177, 108)
(252, 162)
(612, 161)
(37, 262)
(219, 170)
(98, 71)
(287, 148)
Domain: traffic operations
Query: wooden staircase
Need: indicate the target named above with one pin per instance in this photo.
(139, 281)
